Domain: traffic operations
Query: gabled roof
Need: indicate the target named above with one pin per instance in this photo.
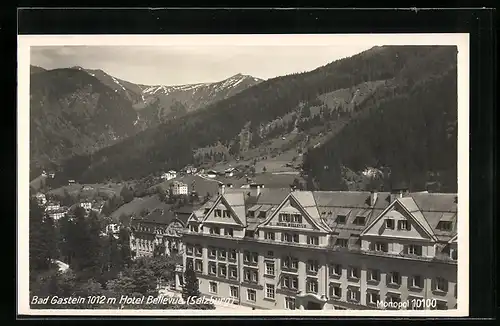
(306, 204)
(412, 210)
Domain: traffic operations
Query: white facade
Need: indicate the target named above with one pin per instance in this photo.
(86, 205)
(42, 200)
(52, 207)
(179, 188)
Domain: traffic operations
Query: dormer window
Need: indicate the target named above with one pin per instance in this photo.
(445, 225)
(206, 210)
(285, 218)
(251, 213)
(217, 213)
(404, 225)
(341, 219)
(262, 214)
(389, 223)
(360, 220)
(225, 213)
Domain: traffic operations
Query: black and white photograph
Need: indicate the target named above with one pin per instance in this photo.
(297, 175)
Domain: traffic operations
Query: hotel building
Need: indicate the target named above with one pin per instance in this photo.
(285, 249)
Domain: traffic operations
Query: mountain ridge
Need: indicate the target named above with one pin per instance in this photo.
(249, 120)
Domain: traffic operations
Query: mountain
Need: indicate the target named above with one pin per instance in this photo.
(159, 103)
(299, 113)
(36, 69)
(72, 113)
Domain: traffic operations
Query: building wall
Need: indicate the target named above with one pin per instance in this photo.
(347, 260)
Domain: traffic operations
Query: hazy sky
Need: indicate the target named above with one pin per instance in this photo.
(175, 65)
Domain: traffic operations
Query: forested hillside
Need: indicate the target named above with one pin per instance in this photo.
(72, 113)
(397, 70)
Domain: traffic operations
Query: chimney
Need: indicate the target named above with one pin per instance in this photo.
(373, 198)
(222, 188)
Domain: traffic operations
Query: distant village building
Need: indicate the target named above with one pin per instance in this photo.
(44, 173)
(169, 175)
(211, 174)
(178, 188)
(113, 229)
(58, 213)
(190, 169)
(52, 175)
(71, 182)
(41, 199)
(86, 205)
(229, 172)
(159, 228)
(52, 206)
(87, 187)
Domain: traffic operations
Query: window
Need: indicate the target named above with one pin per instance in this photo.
(341, 219)
(249, 234)
(290, 263)
(251, 295)
(354, 273)
(246, 256)
(225, 214)
(251, 213)
(389, 223)
(335, 290)
(312, 266)
(222, 254)
(341, 243)
(359, 220)
(441, 305)
(393, 298)
(414, 250)
(211, 268)
(289, 303)
(198, 250)
(213, 287)
(198, 266)
(394, 278)
(296, 218)
(269, 291)
(255, 257)
(404, 225)
(441, 285)
(254, 276)
(284, 217)
(373, 275)
(234, 292)
(217, 213)
(453, 253)
(190, 263)
(270, 253)
(416, 282)
(222, 270)
(445, 225)
(228, 232)
(290, 282)
(212, 253)
(269, 235)
(312, 286)
(214, 230)
(193, 228)
(233, 272)
(262, 214)
(372, 298)
(353, 294)
(313, 240)
(232, 254)
(189, 249)
(270, 268)
(381, 247)
(335, 270)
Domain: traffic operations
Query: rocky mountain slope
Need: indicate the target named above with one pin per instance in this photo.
(159, 103)
(302, 113)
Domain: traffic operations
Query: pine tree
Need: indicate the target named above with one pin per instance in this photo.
(41, 239)
(191, 287)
